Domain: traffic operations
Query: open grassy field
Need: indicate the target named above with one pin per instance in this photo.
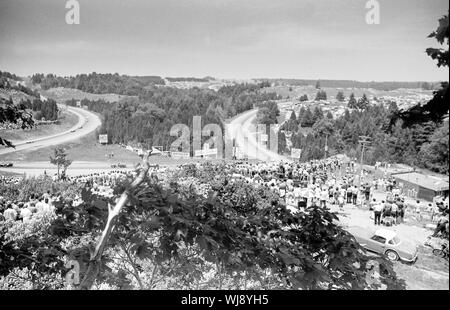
(68, 120)
(62, 94)
(8, 174)
(311, 91)
(16, 95)
(84, 149)
(87, 149)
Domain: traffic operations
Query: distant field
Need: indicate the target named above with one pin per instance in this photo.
(9, 174)
(311, 91)
(62, 94)
(87, 149)
(84, 149)
(68, 120)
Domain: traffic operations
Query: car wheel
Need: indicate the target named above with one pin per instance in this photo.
(392, 255)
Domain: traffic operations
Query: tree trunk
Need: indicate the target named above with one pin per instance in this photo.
(95, 261)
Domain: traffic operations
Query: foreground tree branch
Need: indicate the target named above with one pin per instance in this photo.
(113, 212)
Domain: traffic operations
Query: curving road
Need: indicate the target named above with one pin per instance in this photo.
(87, 123)
(243, 130)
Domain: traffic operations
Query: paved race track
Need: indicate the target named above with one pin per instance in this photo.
(87, 123)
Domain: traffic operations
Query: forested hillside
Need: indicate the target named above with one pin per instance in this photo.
(422, 144)
(149, 118)
(26, 98)
(98, 83)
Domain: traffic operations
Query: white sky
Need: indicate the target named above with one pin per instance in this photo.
(317, 39)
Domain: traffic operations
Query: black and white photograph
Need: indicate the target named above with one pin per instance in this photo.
(224, 150)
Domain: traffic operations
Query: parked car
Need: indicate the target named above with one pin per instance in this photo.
(6, 165)
(385, 242)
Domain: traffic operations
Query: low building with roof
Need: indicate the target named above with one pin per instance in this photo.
(421, 186)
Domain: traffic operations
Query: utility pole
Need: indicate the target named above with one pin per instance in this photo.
(364, 140)
(326, 146)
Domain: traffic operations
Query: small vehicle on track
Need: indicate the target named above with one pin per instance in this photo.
(6, 165)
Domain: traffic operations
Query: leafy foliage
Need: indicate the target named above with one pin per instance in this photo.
(437, 108)
(16, 114)
(340, 96)
(59, 159)
(321, 95)
(181, 235)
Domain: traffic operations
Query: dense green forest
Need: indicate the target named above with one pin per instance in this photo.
(98, 83)
(44, 109)
(148, 118)
(422, 145)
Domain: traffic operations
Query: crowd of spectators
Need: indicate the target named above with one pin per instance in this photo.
(327, 182)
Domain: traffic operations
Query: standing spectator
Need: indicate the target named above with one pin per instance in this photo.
(387, 210)
(401, 210)
(442, 225)
(378, 209)
(394, 212)
(349, 194)
(336, 195)
(355, 194)
(367, 191)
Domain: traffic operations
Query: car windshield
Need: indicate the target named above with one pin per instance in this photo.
(394, 240)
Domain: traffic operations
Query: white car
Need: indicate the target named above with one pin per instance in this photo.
(385, 242)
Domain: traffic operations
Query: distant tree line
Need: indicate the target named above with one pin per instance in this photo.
(99, 83)
(187, 79)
